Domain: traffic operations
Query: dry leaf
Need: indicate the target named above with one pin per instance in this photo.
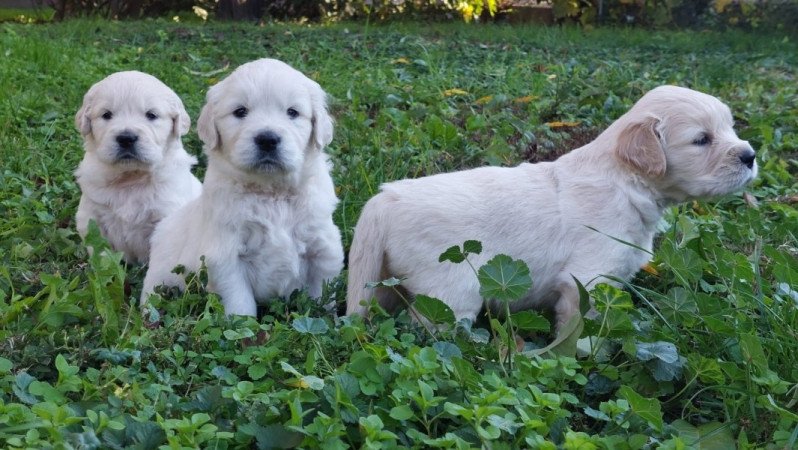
(525, 99)
(454, 91)
(650, 269)
(750, 200)
(402, 60)
(484, 100)
(562, 124)
(789, 199)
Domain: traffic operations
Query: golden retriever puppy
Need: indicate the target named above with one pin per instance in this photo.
(135, 170)
(264, 219)
(675, 144)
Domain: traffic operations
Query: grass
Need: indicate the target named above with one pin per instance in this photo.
(26, 15)
(700, 354)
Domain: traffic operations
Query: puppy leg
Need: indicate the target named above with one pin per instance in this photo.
(82, 217)
(324, 261)
(567, 304)
(229, 280)
(160, 275)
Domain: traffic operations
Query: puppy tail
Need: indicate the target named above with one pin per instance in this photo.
(366, 255)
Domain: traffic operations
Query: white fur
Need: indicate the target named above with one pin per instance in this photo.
(619, 184)
(264, 224)
(128, 196)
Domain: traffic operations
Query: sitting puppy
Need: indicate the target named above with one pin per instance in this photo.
(135, 170)
(675, 144)
(264, 219)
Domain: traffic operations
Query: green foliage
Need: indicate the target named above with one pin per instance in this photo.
(694, 356)
(694, 13)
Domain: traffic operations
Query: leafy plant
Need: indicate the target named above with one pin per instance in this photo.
(698, 350)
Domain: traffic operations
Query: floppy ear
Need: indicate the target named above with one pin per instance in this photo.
(206, 127)
(181, 122)
(639, 147)
(322, 122)
(82, 121)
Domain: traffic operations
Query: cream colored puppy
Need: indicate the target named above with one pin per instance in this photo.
(264, 220)
(675, 144)
(135, 170)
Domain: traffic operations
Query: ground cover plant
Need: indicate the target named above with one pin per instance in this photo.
(699, 351)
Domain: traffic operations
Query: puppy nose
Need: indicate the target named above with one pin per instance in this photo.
(267, 141)
(748, 157)
(126, 139)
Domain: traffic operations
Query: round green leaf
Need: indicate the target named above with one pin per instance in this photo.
(434, 310)
(310, 325)
(504, 279)
(401, 412)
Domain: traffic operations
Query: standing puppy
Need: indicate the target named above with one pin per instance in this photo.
(264, 220)
(675, 144)
(135, 170)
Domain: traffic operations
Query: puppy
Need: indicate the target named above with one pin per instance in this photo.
(675, 144)
(135, 170)
(264, 219)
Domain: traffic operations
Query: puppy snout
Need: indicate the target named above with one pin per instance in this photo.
(126, 139)
(747, 157)
(267, 141)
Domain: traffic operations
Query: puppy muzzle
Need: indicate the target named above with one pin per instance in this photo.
(267, 154)
(126, 147)
(748, 158)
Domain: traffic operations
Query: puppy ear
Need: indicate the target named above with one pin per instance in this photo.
(181, 122)
(206, 127)
(322, 122)
(639, 147)
(82, 120)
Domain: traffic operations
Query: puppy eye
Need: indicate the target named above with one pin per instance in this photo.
(241, 112)
(107, 115)
(704, 139)
(151, 115)
(292, 113)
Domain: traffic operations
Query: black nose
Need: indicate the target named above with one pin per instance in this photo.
(748, 157)
(126, 139)
(267, 141)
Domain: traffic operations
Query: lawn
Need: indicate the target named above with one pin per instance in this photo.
(698, 352)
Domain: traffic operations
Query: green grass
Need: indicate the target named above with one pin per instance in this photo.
(78, 367)
(26, 15)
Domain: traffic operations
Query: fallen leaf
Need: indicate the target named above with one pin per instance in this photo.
(525, 99)
(208, 74)
(454, 91)
(697, 207)
(484, 100)
(647, 267)
(402, 60)
(750, 200)
(562, 124)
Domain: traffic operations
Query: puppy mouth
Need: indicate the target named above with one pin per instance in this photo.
(267, 163)
(128, 155)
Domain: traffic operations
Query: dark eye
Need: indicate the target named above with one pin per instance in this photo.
(151, 115)
(241, 112)
(292, 113)
(107, 115)
(702, 140)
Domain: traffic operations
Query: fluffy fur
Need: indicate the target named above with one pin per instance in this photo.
(264, 220)
(135, 170)
(675, 144)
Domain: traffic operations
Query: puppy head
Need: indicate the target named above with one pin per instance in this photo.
(683, 141)
(131, 119)
(265, 117)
